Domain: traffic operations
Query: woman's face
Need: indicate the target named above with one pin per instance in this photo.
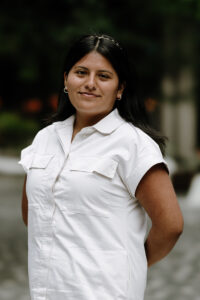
(93, 85)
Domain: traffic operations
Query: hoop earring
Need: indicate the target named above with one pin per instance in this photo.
(65, 90)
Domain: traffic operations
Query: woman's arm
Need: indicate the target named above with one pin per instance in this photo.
(156, 194)
(24, 204)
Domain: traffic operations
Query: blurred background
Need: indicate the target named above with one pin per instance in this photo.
(163, 42)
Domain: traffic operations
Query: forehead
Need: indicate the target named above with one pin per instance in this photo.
(95, 60)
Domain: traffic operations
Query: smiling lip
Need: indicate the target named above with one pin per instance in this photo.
(89, 94)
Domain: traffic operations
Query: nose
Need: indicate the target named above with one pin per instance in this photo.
(90, 83)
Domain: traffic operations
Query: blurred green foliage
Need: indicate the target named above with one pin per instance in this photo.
(16, 131)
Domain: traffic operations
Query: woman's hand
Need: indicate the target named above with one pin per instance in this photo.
(24, 204)
(156, 194)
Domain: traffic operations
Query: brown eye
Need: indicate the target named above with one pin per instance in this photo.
(104, 76)
(80, 72)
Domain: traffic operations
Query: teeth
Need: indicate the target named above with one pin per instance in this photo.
(88, 94)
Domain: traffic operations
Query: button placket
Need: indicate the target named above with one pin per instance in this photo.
(55, 181)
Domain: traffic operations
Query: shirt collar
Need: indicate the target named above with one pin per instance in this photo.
(109, 123)
(105, 126)
(67, 122)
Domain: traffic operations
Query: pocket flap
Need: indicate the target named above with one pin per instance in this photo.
(104, 166)
(41, 161)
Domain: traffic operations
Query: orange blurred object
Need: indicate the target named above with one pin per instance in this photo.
(53, 101)
(151, 104)
(33, 105)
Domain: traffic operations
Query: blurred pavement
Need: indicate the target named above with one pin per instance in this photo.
(177, 277)
(9, 165)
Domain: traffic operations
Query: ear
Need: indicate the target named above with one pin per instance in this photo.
(121, 89)
(65, 78)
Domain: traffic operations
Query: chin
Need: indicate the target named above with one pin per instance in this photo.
(89, 109)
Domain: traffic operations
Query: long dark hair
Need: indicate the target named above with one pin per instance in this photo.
(131, 107)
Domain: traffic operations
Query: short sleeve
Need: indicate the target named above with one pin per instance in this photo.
(143, 155)
(26, 157)
(27, 154)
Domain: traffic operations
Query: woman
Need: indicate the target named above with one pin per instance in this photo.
(92, 176)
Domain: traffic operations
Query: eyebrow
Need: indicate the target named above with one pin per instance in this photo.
(98, 70)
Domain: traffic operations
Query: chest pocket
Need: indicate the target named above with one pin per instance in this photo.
(40, 174)
(32, 160)
(39, 169)
(103, 166)
(40, 161)
(88, 185)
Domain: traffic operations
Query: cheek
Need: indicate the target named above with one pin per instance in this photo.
(73, 83)
(111, 90)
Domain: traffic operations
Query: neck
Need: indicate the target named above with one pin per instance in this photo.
(82, 121)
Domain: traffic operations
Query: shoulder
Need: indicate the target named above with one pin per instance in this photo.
(135, 137)
(43, 134)
(49, 130)
(139, 154)
(44, 131)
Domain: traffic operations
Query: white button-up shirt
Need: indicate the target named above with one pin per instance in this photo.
(86, 229)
